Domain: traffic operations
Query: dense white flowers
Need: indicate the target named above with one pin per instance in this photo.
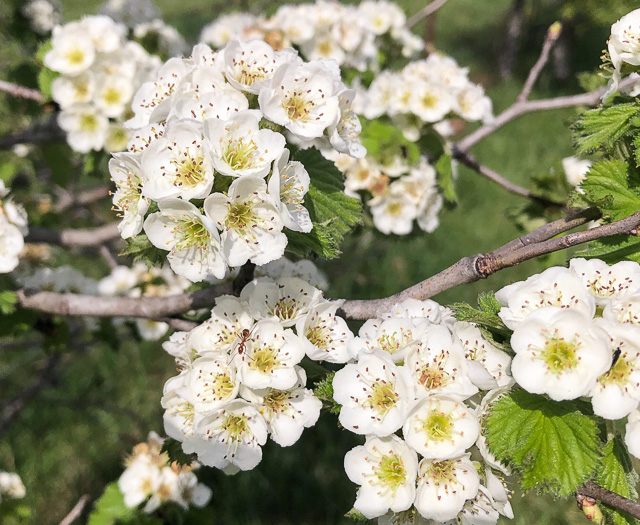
(414, 368)
(99, 73)
(576, 333)
(149, 476)
(240, 379)
(350, 35)
(424, 92)
(400, 194)
(210, 127)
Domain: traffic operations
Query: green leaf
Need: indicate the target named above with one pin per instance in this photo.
(323, 390)
(617, 474)
(601, 128)
(110, 507)
(489, 304)
(332, 212)
(46, 76)
(445, 179)
(608, 187)
(384, 142)
(142, 250)
(552, 445)
(8, 301)
(613, 249)
(466, 312)
(173, 448)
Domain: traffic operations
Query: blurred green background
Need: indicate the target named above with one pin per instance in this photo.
(104, 398)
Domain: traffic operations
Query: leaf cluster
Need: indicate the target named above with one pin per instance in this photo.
(556, 446)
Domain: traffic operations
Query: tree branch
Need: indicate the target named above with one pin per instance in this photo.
(427, 10)
(155, 308)
(592, 490)
(552, 37)
(76, 511)
(481, 266)
(32, 136)
(471, 162)
(68, 199)
(466, 270)
(518, 109)
(74, 237)
(21, 91)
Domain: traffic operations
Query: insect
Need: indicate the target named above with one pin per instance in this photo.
(616, 355)
(244, 337)
(240, 348)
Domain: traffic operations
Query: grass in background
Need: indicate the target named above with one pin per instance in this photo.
(71, 439)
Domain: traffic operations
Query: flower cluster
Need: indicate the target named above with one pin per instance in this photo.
(576, 332)
(140, 281)
(398, 194)
(63, 279)
(43, 15)
(423, 93)
(13, 228)
(208, 159)
(353, 36)
(99, 71)
(413, 370)
(624, 48)
(149, 476)
(240, 377)
(11, 486)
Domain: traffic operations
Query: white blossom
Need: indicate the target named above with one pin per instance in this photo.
(288, 185)
(444, 486)
(178, 164)
(126, 173)
(623, 311)
(617, 392)
(286, 412)
(72, 50)
(438, 365)
(233, 435)
(559, 352)
(240, 148)
(440, 427)
(605, 282)
(326, 336)
(302, 98)
(489, 367)
(288, 300)
(250, 223)
(555, 286)
(394, 336)
(86, 127)
(267, 355)
(386, 470)
(375, 394)
(191, 238)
